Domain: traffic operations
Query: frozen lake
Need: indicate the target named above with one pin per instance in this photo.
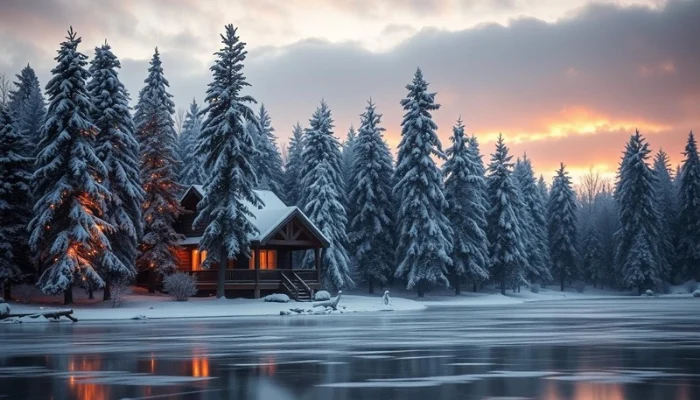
(633, 348)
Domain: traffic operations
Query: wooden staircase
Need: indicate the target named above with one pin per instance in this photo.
(295, 287)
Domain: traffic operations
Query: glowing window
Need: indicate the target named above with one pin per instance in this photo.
(268, 259)
(198, 258)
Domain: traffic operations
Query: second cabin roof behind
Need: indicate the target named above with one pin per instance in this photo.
(270, 220)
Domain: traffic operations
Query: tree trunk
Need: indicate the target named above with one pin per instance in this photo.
(107, 293)
(7, 291)
(221, 280)
(475, 287)
(371, 285)
(503, 285)
(420, 289)
(152, 280)
(561, 279)
(68, 296)
(91, 294)
(458, 290)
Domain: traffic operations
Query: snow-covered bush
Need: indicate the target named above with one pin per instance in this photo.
(276, 298)
(535, 288)
(322, 295)
(23, 292)
(691, 286)
(648, 293)
(4, 308)
(119, 291)
(696, 293)
(580, 286)
(180, 285)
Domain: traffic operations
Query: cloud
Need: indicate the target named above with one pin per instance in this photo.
(571, 89)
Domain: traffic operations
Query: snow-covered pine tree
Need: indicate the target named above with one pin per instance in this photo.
(535, 219)
(28, 108)
(424, 233)
(192, 166)
(544, 191)
(464, 192)
(15, 202)
(117, 148)
(158, 145)
(322, 195)
(349, 159)
(637, 252)
(479, 237)
(292, 178)
(562, 227)
(666, 204)
(67, 231)
(689, 211)
(268, 161)
(592, 258)
(371, 230)
(228, 150)
(506, 244)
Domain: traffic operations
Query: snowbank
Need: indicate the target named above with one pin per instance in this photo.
(140, 306)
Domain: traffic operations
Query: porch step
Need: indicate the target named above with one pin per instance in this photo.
(295, 288)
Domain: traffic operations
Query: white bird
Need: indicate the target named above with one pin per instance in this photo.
(386, 299)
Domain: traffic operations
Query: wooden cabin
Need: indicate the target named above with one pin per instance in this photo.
(283, 232)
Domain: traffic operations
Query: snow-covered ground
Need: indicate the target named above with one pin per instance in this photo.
(155, 306)
(141, 305)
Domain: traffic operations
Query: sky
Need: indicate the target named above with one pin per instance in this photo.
(563, 81)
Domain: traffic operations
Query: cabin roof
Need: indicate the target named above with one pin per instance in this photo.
(267, 219)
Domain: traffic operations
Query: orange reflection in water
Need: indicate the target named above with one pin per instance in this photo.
(200, 366)
(598, 391)
(268, 366)
(82, 390)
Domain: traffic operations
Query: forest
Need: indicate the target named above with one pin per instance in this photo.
(89, 189)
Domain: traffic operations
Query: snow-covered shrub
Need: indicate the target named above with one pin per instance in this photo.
(580, 286)
(4, 308)
(180, 285)
(648, 293)
(535, 288)
(276, 298)
(696, 293)
(119, 291)
(691, 286)
(23, 292)
(322, 295)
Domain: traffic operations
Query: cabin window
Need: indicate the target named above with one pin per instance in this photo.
(268, 259)
(198, 258)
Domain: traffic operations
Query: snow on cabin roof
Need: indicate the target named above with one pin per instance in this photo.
(268, 218)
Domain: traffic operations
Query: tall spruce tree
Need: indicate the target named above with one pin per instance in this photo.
(15, 200)
(292, 178)
(592, 257)
(465, 190)
(424, 233)
(534, 221)
(118, 150)
(371, 230)
(158, 145)
(667, 205)
(228, 149)
(506, 242)
(68, 232)
(349, 159)
(637, 253)
(28, 108)
(689, 211)
(562, 227)
(323, 193)
(268, 162)
(192, 166)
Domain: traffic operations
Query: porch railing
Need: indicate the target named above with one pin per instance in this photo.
(248, 275)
